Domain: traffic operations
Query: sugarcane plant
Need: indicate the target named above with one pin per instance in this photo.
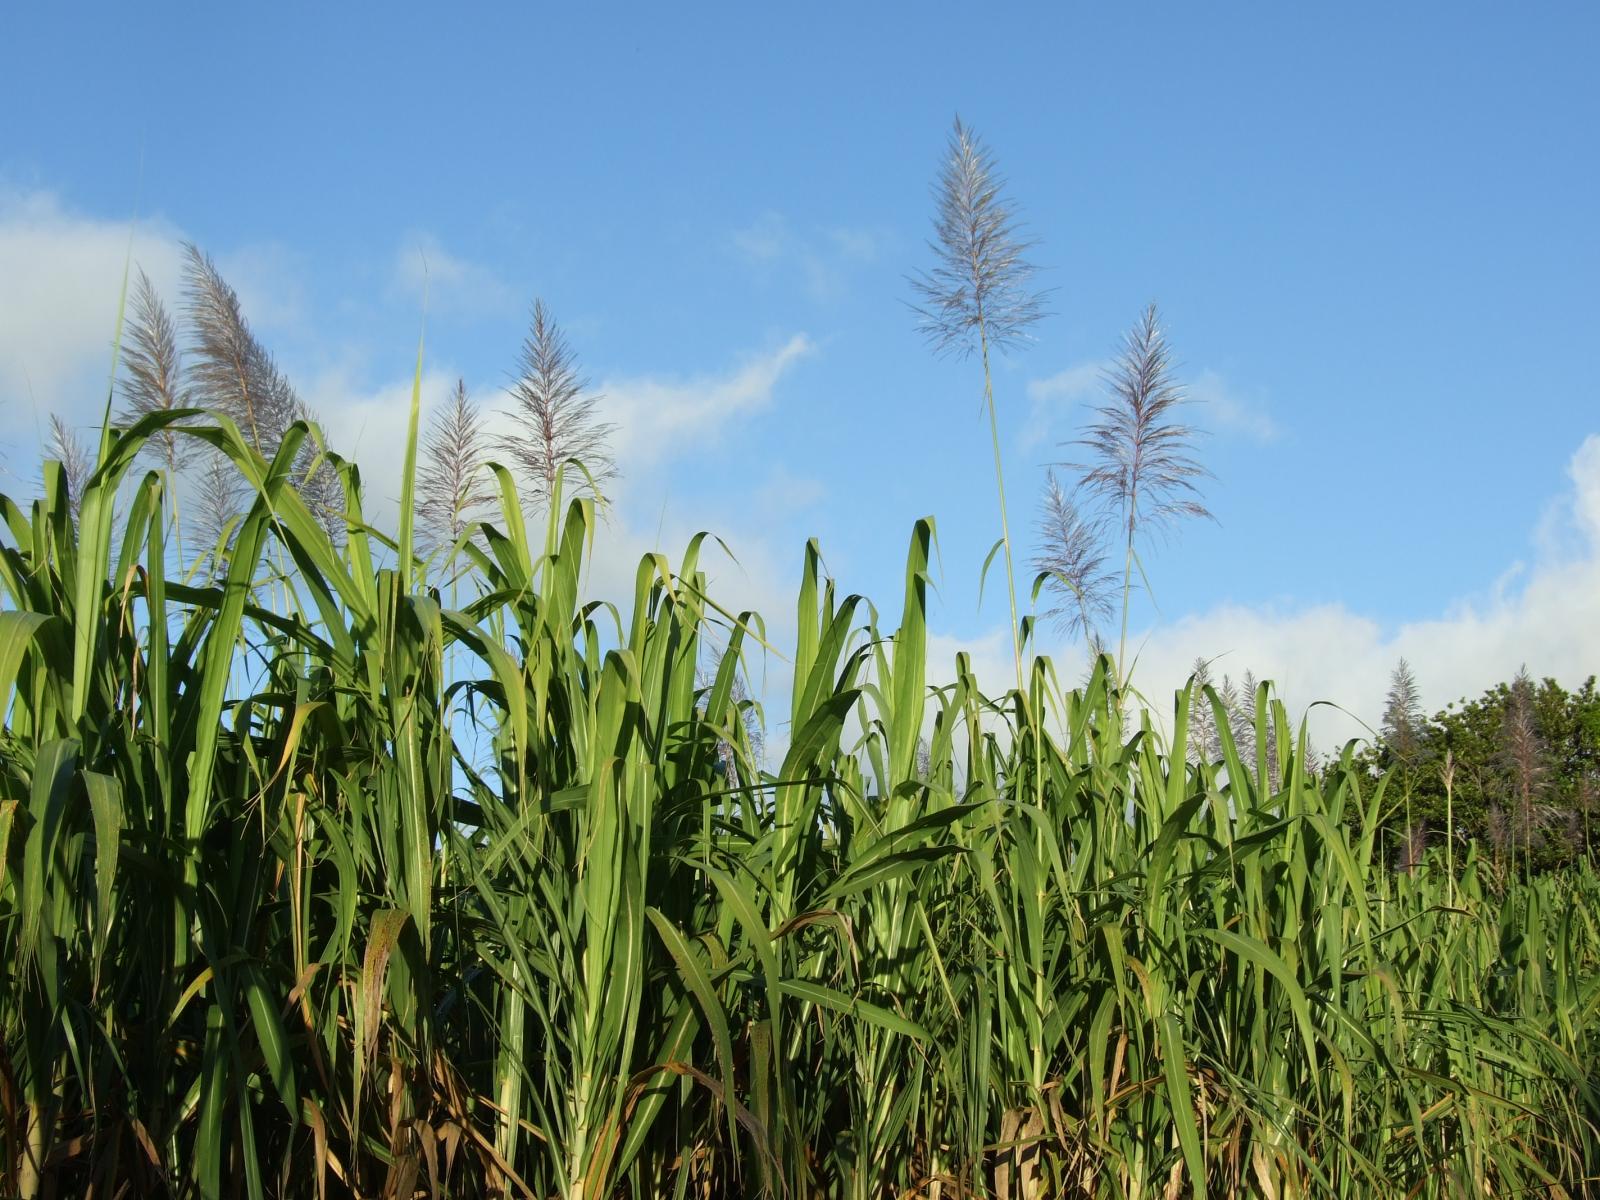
(384, 866)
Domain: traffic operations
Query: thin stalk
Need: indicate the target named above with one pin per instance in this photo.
(1409, 835)
(1000, 486)
(28, 1177)
(1449, 773)
(1140, 452)
(177, 516)
(1127, 590)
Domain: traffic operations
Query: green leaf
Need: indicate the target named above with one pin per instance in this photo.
(850, 1006)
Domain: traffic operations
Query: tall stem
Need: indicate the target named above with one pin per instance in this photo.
(177, 515)
(1127, 591)
(1410, 843)
(1000, 485)
(1450, 826)
(1040, 998)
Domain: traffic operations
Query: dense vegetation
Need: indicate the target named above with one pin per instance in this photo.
(341, 864)
(329, 877)
(1516, 769)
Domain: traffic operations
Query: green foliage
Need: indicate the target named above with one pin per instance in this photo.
(1562, 817)
(316, 882)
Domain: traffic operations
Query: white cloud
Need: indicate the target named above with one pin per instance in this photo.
(62, 276)
(786, 492)
(858, 245)
(1052, 398)
(1545, 615)
(424, 268)
(1584, 470)
(269, 279)
(657, 417)
(369, 426)
(989, 654)
(764, 240)
(761, 576)
(823, 257)
(1225, 409)
(1218, 405)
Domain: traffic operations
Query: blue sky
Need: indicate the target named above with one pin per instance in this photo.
(1371, 232)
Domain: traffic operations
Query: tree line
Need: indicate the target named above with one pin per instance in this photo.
(1516, 769)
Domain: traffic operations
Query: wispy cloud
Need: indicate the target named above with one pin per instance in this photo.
(764, 240)
(1540, 614)
(1052, 399)
(423, 266)
(1330, 663)
(1225, 409)
(271, 281)
(785, 492)
(822, 256)
(62, 274)
(369, 424)
(658, 417)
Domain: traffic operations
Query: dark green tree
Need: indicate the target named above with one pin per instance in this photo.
(1523, 760)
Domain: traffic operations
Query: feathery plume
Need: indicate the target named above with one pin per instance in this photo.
(232, 372)
(153, 380)
(1072, 560)
(1142, 467)
(1204, 744)
(1142, 462)
(744, 710)
(1524, 761)
(1402, 715)
(234, 375)
(1240, 709)
(554, 415)
(979, 292)
(317, 482)
(67, 448)
(219, 494)
(450, 483)
(1248, 687)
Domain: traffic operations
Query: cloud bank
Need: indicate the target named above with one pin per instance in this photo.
(1545, 615)
(62, 275)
